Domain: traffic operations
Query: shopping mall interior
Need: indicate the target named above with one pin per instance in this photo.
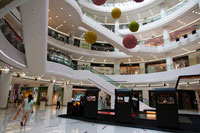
(114, 66)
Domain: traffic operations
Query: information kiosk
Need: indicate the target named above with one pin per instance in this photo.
(91, 103)
(123, 105)
(166, 108)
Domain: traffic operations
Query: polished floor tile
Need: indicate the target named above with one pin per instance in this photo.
(46, 121)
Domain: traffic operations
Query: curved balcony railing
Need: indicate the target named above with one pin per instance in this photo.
(99, 46)
(12, 36)
(141, 22)
(130, 69)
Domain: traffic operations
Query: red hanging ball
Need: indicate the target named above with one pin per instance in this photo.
(98, 2)
(130, 41)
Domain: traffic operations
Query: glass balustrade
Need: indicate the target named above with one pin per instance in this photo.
(141, 22)
(11, 35)
(154, 41)
(64, 59)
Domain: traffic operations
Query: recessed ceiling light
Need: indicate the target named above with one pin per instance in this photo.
(61, 8)
(64, 21)
(72, 25)
(70, 15)
(56, 16)
(48, 10)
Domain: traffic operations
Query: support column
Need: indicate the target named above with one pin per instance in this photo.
(12, 92)
(116, 31)
(145, 95)
(163, 12)
(117, 66)
(169, 62)
(166, 36)
(67, 94)
(71, 37)
(34, 16)
(112, 102)
(50, 94)
(5, 81)
(142, 68)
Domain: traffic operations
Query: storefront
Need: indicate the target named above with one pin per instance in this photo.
(181, 62)
(107, 69)
(152, 67)
(129, 69)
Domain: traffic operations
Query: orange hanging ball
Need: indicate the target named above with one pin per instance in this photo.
(116, 13)
(90, 37)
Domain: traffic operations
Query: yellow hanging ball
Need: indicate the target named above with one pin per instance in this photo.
(116, 13)
(90, 37)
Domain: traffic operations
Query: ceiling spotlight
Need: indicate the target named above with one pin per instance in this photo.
(72, 25)
(70, 15)
(64, 21)
(56, 16)
(61, 8)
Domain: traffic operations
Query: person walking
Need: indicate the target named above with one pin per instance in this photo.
(58, 103)
(27, 107)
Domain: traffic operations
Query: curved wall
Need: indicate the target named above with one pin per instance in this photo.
(10, 54)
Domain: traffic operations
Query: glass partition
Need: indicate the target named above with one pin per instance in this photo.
(11, 35)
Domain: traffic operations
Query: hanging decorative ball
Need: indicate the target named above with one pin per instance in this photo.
(98, 2)
(90, 37)
(116, 13)
(130, 41)
(133, 26)
(138, 1)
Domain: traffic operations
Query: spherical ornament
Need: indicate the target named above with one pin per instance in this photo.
(134, 26)
(90, 37)
(138, 1)
(98, 2)
(116, 13)
(130, 41)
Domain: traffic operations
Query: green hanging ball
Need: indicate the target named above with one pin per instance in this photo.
(134, 26)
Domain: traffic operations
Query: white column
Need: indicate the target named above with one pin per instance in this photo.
(169, 62)
(116, 31)
(112, 101)
(199, 3)
(145, 95)
(163, 12)
(166, 36)
(142, 68)
(5, 81)
(117, 66)
(12, 92)
(34, 16)
(71, 37)
(50, 94)
(67, 94)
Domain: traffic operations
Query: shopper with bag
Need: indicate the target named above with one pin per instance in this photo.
(27, 106)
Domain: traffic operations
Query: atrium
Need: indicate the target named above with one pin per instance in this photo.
(112, 65)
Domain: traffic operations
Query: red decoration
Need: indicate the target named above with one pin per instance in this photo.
(138, 1)
(99, 2)
(130, 41)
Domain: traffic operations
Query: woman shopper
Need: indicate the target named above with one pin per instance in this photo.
(27, 106)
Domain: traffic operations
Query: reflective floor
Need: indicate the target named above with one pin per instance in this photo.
(46, 121)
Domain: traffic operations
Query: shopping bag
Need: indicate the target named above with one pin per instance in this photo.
(17, 113)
